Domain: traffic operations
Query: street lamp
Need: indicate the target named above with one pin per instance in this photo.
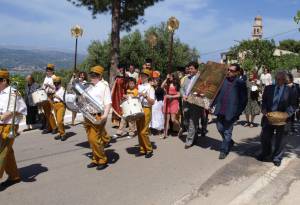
(173, 25)
(76, 32)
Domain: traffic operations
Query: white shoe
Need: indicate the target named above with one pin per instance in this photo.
(115, 136)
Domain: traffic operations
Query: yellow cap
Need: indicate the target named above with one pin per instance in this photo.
(50, 66)
(56, 79)
(4, 73)
(97, 69)
(147, 72)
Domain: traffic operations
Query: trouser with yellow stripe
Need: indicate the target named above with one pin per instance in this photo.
(47, 107)
(7, 157)
(143, 131)
(95, 134)
(59, 110)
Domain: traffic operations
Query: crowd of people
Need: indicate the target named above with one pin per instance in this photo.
(165, 107)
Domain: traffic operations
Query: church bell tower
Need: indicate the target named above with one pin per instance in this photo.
(257, 31)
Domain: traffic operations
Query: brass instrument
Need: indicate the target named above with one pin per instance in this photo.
(85, 103)
(12, 133)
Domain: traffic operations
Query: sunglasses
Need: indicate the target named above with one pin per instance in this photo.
(1, 79)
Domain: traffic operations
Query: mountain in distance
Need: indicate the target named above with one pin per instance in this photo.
(24, 60)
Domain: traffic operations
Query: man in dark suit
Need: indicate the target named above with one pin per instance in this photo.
(276, 97)
(229, 105)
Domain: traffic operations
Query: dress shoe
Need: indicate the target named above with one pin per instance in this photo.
(58, 137)
(222, 155)
(91, 165)
(149, 154)
(63, 138)
(101, 166)
(54, 131)
(46, 131)
(10, 182)
(277, 163)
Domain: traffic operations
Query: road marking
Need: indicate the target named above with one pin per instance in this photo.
(248, 194)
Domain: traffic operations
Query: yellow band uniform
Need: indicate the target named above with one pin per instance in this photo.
(7, 157)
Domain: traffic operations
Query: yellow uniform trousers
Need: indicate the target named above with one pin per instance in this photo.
(59, 110)
(105, 137)
(7, 156)
(95, 134)
(47, 107)
(143, 131)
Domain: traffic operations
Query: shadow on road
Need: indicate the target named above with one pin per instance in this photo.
(136, 149)
(70, 134)
(251, 146)
(29, 173)
(85, 144)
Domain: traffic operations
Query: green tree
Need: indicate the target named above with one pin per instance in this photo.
(125, 14)
(258, 53)
(135, 48)
(290, 45)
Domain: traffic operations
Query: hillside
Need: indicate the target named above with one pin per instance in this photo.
(21, 59)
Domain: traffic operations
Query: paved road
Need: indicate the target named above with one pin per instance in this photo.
(55, 172)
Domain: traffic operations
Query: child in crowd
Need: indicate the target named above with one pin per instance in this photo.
(132, 91)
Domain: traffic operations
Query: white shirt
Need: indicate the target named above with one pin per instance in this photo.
(191, 84)
(266, 79)
(150, 92)
(100, 92)
(6, 106)
(60, 93)
(48, 81)
(134, 75)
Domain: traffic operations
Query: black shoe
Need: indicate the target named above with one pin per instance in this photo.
(46, 131)
(58, 137)
(222, 155)
(101, 166)
(187, 146)
(91, 165)
(149, 154)
(54, 131)
(63, 138)
(9, 183)
(277, 163)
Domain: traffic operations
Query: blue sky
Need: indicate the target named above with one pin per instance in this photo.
(208, 25)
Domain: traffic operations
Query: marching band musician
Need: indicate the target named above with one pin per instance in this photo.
(59, 108)
(96, 133)
(147, 98)
(47, 105)
(7, 157)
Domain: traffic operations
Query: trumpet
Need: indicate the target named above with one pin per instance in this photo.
(13, 95)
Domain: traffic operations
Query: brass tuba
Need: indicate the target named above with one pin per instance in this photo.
(85, 103)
